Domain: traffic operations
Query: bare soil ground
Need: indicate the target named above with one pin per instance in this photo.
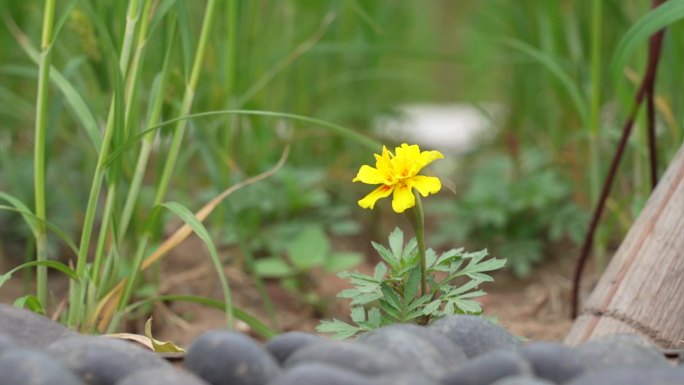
(536, 307)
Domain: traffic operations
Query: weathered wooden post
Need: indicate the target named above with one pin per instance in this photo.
(642, 290)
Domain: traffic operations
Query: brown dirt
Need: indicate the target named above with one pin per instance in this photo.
(536, 307)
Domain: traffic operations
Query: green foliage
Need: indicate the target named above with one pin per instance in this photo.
(515, 206)
(392, 294)
(308, 250)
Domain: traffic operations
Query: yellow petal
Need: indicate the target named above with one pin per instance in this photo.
(368, 202)
(403, 198)
(408, 152)
(426, 157)
(426, 185)
(369, 175)
(384, 161)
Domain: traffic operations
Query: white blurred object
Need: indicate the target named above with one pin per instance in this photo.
(454, 129)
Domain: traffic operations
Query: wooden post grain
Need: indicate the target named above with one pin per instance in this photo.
(642, 290)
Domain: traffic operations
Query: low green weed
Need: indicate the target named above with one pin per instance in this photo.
(392, 295)
(515, 206)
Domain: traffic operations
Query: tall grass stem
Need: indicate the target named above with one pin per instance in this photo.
(40, 149)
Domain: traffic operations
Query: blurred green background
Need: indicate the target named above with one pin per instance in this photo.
(537, 75)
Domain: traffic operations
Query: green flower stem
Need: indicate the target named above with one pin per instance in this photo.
(416, 218)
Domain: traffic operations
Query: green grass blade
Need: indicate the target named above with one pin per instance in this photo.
(344, 132)
(189, 218)
(551, 64)
(240, 314)
(659, 18)
(73, 98)
(51, 264)
(30, 218)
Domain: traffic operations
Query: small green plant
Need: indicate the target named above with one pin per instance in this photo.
(516, 207)
(412, 284)
(392, 295)
(310, 249)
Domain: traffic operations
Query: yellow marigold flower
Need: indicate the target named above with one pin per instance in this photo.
(398, 173)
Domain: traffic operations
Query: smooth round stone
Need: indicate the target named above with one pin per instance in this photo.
(29, 329)
(224, 357)
(432, 356)
(553, 361)
(626, 350)
(489, 367)
(475, 335)
(522, 380)
(283, 345)
(103, 360)
(407, 344)
(349, 355)
(7, 343)
(317, 373)
(406, 379)
(632, 376)
(32, 367)
(162, 376)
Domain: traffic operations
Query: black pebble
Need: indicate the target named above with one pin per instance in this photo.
(32, 367)
(283, 345)
(29, 329)
(411, 343)
(475, 335)
(522, 380)
(620, 350)
(316, 373)
(7, 343)
(405, 379)
(553, 361)
(103, 360)
(223, 357)
(489, 367)
(162, 376)
(363, 359)
(632, 376)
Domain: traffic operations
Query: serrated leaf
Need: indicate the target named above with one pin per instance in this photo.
(385, 254)
(455, 291)
(380, 270)
(365, 298)
(472, 294)
(410, 250)
(358, 314)
(396, 242)
(309, 249)
(340, 329)
(272, 267)
(419, 302)
(468, 306)
(412, 284)
(390, 311)
(390, 296)
(449, 308)
(449, 255)
(342, 261)
(431, 307)
(430, 258)
(491, 264)
(374, 317)
(348, 293)
(476, 257)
